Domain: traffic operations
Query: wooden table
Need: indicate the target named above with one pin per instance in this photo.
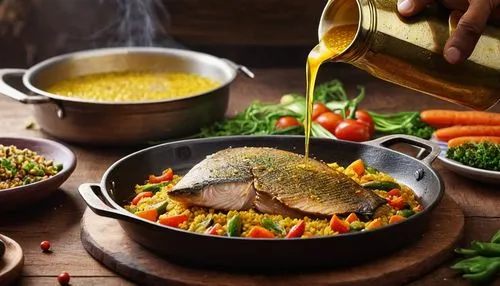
(58, 218)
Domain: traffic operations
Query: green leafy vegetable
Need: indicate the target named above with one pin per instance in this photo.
(402, 123)
(484, 155)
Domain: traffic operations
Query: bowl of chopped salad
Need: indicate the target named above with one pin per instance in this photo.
(32, 169)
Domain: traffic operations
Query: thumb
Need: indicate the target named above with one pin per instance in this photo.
(468, 31)
(412, 7)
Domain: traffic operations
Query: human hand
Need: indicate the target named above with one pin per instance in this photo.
(470, 27)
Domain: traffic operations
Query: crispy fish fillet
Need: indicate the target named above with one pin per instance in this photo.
(272, 181)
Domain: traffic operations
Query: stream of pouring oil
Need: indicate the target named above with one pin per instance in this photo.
(333, 43)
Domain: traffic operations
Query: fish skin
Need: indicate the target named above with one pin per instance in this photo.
(279, 178)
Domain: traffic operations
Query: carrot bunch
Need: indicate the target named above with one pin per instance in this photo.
(459, 127)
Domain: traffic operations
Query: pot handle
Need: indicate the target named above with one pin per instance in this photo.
(429, 151)
(91, 194)
(241, 68)
(7, 90)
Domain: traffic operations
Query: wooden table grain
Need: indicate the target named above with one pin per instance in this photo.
(57, 218)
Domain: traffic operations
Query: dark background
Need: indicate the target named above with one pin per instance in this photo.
(251, 32)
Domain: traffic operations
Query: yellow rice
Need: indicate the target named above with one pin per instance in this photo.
(133, 86)
(250, 218)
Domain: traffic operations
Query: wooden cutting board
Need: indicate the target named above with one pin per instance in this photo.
(11, 264)
(106, 241)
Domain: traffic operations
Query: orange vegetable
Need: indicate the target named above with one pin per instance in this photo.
(358, 167)
(151, 215)
(374, 224)
(441, 118)
(297, 230)
(339, 225)
(173, 221)
(351, 218)
(394, 193)
(446, 134)
(141, 195)
(397, 202)
(473, 139)
(260, 232)
(166, 176)
(395, 219)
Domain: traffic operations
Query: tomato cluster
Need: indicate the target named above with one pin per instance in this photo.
(361, 128)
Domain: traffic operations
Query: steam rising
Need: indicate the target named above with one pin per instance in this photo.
(137, 23)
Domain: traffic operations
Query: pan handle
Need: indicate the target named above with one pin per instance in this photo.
(241, 68)
(91, 194)
(429, 151)
(8, 90)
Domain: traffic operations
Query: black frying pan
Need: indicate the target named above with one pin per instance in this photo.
(194, 249)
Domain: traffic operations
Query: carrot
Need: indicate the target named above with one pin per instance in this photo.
(338, 225)
(174, 220)
(358, 167)
(446, 134)
(374, 224)
(441, 118)
(260, 232)
(395, 219)
(351, 218)
(473, 139)
(148, 214)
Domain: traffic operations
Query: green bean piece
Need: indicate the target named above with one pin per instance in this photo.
(271, 225)
(406, 213)
(371, 170)
(490, 271)
(486, 248)
(496, 237)
(381, 185)
(466, 251)
(357, 225)
(234, 226)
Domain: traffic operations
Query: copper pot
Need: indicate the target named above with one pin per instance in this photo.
(121, 123)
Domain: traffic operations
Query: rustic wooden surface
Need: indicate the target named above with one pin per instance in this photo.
(11, 264)
(106, 241)
(58, 218)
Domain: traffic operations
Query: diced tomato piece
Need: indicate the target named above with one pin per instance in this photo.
(352, 218)
(395, 219)
(297, 230)
(151, 215)
(166, 176)
(339, 225)
(260, 232)
(397, 202)
(394, 192)
(141, 195)
(373, 224)
(213, 230)
(173, 221)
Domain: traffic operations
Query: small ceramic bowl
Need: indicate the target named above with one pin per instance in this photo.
(14, 198)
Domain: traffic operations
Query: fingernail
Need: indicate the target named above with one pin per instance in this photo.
(405, 5)
(453, 55)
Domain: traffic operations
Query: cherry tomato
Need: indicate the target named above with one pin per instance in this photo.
(63, 278)
(318, 109)
(329, 121)
(352, 130)
(364, 117)
(286, 122)
(45, 245)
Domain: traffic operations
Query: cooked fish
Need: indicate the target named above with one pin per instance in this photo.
(272, 181)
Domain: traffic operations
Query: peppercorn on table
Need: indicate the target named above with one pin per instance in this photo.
(57, 218)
